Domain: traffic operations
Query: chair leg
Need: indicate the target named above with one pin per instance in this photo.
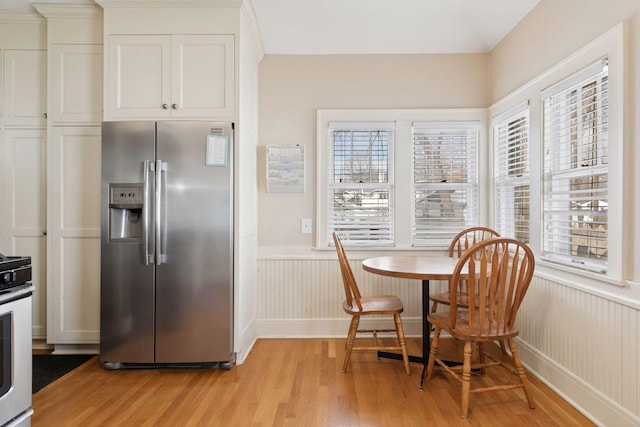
(503, 347)
(351, 338)
(433, 352)
(521, 372)
(402, 342)
(466, 379)
(481, 357)
(434, 306)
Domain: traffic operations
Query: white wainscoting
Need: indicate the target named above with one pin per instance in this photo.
(584, 346)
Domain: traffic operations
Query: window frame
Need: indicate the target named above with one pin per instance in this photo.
(441, 235)
(403, 119)
(563, 164)
(358, 236)
(608, 45)
(503, 180)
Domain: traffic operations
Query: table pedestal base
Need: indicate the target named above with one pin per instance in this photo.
(398, 356)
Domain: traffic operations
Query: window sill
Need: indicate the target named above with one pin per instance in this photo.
(355, 253)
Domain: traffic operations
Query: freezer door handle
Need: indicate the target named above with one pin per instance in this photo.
(160, 167)
(148, 258)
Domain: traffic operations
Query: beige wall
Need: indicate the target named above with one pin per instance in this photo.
(293, 87)
(552, 31)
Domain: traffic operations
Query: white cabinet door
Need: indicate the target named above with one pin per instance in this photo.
(202, 76)
(25, 88)
(139, 81)
(73, 239)
(76, 83)
(23, 209)
(165, 76)
(1, 88)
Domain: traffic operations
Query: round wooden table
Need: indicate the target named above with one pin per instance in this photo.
(412, 267)
(423, 268)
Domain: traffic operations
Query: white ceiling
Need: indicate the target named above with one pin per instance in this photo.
(373, 26)
(386, 26)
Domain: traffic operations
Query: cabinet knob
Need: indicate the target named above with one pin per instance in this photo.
(44, 115)
(165, 106)
(175, 106)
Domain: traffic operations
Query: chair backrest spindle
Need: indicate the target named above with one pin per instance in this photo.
(352, 293)
(469, 237)
(498, 273)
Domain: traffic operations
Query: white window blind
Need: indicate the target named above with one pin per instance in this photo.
(576, 169)
(360, 205)
(445, 180)
(511, 173)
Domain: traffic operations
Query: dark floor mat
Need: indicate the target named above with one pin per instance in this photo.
(48, 367)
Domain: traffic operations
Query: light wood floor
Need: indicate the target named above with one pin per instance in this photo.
(289, 383)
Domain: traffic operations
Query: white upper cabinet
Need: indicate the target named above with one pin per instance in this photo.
(76, 83)
(170, 76)
(25, 88)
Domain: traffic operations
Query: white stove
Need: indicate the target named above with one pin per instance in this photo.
(15, 353)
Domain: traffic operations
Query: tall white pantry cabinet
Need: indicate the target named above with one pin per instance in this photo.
(23, 148)
(74, 86)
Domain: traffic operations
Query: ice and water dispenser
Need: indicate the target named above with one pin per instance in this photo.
(125, 212)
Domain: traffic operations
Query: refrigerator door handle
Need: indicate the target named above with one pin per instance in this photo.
(148, 258)
(160, 167)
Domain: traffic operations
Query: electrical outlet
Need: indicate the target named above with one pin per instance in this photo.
(305, 226)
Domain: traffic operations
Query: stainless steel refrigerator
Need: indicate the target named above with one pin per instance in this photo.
(166, 244)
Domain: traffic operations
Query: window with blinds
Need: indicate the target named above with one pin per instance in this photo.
(575, 191)
(511, 173)
(445, 181)
(361, 183)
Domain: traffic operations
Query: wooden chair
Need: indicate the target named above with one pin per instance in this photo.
(357, 305)
(500, 271)
(460, 243)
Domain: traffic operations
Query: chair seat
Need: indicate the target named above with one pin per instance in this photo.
(463, 332)
(384, 304)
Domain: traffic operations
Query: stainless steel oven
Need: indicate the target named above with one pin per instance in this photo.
(15, 356)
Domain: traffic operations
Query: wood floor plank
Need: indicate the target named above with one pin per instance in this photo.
(294, 382)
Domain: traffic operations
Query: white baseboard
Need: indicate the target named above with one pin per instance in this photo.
(598, 407)
(329, 328)
(40, 344)
(244, 351)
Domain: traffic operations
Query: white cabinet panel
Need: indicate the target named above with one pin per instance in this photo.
(25, 88)
(74, 298)
(73, 242)
(139, 76)
(202, 84)
(80, 172)
(76, 83)
(164, 76)
(36, 248)
(23, 194)
(1, 88)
